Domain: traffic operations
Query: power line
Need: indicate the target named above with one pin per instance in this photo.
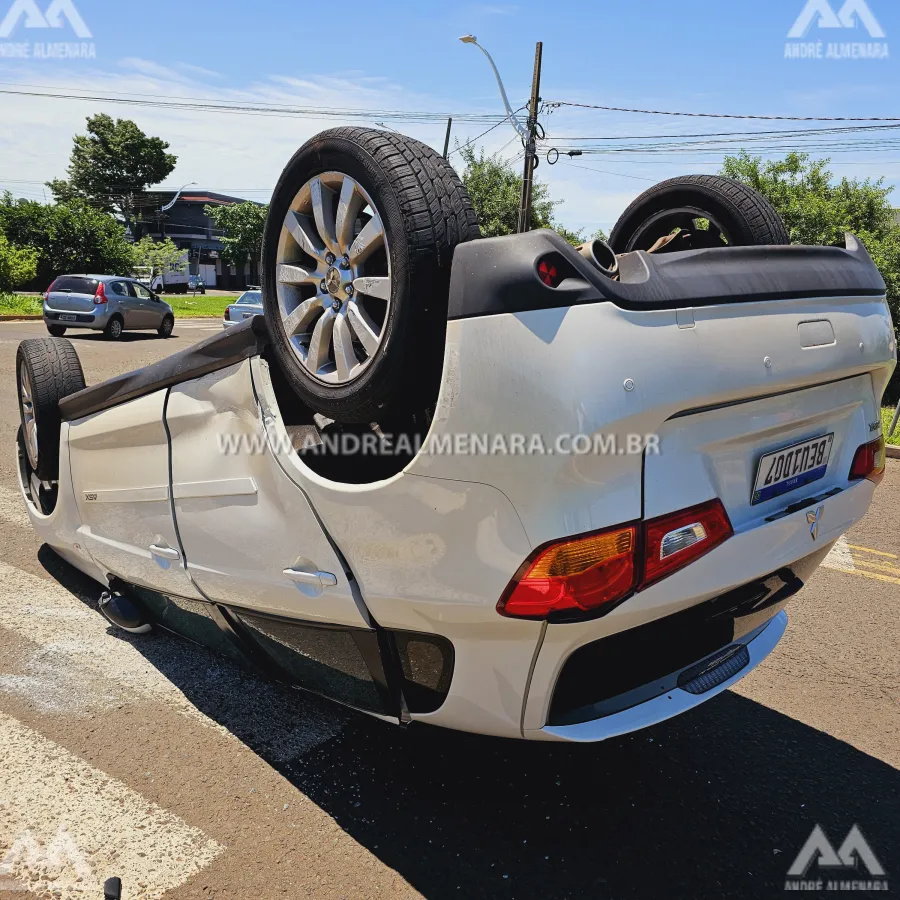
(698, 115)
(273, 110)
(605, 172)
(478, 137)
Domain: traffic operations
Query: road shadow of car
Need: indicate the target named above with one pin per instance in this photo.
(716, 803)
(128, 337)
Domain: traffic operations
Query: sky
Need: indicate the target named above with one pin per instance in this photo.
(694, 56)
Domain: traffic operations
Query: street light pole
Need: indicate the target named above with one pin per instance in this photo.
(531, 143)
(528, 134)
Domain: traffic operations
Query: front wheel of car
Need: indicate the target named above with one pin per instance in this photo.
(357, 250)
(165, 329)
(46, 371)
(56, 330)
(114, 329)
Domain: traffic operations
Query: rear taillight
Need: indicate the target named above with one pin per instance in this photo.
(49, 289)
(100, 295)
(593, 572)
(227, 314)
(673, 541)
(868, 461)
(580, 574)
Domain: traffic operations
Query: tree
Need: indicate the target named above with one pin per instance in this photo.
(158, 256)
(817, 210)
(18, 265)
(67, 237)
(112, 166)
(496, 192)
(243, 224)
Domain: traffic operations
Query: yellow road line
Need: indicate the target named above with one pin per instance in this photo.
(881, 567)
(870, 550)
(875, 575)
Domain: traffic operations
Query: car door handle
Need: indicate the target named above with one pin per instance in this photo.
(164, 552)
(317, 579)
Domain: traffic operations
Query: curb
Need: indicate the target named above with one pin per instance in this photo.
(15, 318)
(892, 452)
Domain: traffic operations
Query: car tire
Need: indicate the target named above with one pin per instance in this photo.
(56, 330)
(739, 216)
(165, 329)
(47, 369)
(390, 342)
(114, 329)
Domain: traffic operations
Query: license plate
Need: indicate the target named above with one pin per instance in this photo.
(65, 318)
(791, 468)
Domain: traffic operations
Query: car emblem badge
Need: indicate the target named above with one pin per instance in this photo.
(813, 518)
(333, 280)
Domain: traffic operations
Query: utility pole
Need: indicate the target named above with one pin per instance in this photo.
(447, 138)
(531, 142)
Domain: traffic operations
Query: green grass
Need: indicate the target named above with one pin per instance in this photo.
(19, 305)
(887, 414)
(186, 306)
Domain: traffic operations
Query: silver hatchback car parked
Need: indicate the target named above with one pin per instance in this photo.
(108, 303)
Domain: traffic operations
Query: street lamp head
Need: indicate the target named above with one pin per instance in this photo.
(469, 39)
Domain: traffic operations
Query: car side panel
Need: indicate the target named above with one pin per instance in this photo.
(249, 534)
(431, 555)
(120, 474)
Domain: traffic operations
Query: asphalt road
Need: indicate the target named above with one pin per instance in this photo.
(149, 758)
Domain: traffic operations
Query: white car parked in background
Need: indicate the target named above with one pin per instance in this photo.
(507, 553)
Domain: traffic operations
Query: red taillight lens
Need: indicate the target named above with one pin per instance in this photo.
(100, 295)
(868, 461)
(227, 314)
(595, 571)
(673, 541)
(49, 289)
(578, 574)
(549, 272)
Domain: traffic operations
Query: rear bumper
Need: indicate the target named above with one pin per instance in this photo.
(753, 648)
(96, 319)
(751, 556)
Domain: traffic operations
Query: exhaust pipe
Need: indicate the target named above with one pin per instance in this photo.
(600, 255)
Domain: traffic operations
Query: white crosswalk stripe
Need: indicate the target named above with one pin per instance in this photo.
(74, 665)
(65, 827)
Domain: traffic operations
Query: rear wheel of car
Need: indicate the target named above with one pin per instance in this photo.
(356, 269)
(165, 329)
(114, 329)
(700, 211)
(46, 371)
(57, 330)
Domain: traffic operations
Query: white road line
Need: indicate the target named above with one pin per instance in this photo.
(79, 667)
(840, 557)
(66, 827)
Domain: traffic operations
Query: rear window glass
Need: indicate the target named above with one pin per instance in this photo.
(75, 284)
(250, 298)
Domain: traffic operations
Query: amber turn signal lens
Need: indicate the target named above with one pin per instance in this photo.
(578, 574)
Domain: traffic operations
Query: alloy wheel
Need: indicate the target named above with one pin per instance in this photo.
(333, 278)
(29, 422)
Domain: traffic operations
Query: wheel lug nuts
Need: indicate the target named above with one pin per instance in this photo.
(336, 306)
(329, 258)
(345, 262)
(349, 290)
(323, 287)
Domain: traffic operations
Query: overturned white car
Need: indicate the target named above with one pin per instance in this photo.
(586, 487)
